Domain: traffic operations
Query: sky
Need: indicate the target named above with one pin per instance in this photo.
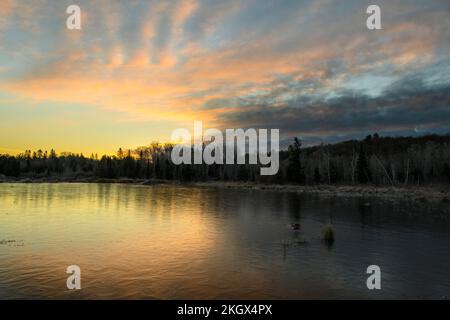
(137, 70)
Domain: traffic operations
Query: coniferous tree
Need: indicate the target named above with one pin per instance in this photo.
(295, 170)
(362, 167)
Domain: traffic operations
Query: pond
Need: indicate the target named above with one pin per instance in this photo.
(179, 242)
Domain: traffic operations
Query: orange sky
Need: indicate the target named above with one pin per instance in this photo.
(137, 70)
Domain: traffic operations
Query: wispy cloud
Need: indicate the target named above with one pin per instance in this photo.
(307, 67)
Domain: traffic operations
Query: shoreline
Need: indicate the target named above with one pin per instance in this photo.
(421, 194)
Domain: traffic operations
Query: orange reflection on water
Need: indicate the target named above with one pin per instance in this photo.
(126, 239)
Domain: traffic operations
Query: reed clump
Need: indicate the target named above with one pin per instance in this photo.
(328, 234)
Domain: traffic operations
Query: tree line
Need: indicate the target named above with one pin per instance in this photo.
(375, 160)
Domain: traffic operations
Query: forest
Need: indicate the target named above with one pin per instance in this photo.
(374, 160)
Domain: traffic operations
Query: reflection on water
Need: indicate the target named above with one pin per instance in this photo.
(170, 242)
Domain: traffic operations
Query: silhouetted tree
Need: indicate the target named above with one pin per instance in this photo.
(362, 167)
(295, 170)
(379, 160)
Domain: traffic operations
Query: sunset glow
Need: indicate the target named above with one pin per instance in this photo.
(139, 69)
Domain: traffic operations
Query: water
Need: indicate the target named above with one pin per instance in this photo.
(171, 242)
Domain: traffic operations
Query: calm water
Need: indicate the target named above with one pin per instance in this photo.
(164, 242)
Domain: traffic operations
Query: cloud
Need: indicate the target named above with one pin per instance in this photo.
(403, 107)
(294, 64)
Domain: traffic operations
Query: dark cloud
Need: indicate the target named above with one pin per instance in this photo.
(409, 105)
